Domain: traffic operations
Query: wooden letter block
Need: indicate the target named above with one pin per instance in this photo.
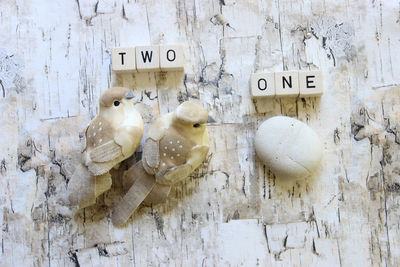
(311, 83)
(147, 58)
(171, 57)
(123, 59)
(287, 83)
(262, 85)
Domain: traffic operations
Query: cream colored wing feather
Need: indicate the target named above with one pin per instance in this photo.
(176, 174)
(106, 152)
(151, 154)
(197, 155)
(100, 168)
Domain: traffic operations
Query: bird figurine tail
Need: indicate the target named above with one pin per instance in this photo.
(83, 187)
(141, 183)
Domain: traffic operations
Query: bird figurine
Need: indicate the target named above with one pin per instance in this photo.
(177, 143)
(111, 137)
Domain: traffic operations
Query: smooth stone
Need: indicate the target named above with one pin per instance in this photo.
(288, 147)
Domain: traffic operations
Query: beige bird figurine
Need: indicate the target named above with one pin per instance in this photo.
(112, 136)
(177, 143)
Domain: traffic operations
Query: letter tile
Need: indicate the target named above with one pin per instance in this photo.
(147, 58)
(123, 59)
(287, 83)
(262, 85)
(171, 57)
(311, 83)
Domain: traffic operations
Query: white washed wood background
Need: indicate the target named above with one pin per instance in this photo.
(55, 62)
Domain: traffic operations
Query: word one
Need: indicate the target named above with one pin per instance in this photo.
(287, 83)
(148, 58)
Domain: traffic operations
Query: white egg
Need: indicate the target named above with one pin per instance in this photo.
(288, 147)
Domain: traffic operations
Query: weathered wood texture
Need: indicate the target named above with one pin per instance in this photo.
(55, 62)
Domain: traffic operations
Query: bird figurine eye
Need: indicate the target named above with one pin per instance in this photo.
(196, 125)
(116, 103)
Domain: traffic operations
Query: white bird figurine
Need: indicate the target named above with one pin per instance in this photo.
(111, 137)
(177, 143)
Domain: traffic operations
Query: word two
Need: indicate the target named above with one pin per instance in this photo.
(148, 58)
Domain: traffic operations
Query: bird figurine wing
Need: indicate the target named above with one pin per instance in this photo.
(197, 155)
(193, 160)
(103, 157)
(102, 152)
(151, 155)
(106, 152)
(151, 148)
(174, 174)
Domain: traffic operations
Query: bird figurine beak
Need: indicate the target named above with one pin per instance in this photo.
(210, 120)
(129, 95)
